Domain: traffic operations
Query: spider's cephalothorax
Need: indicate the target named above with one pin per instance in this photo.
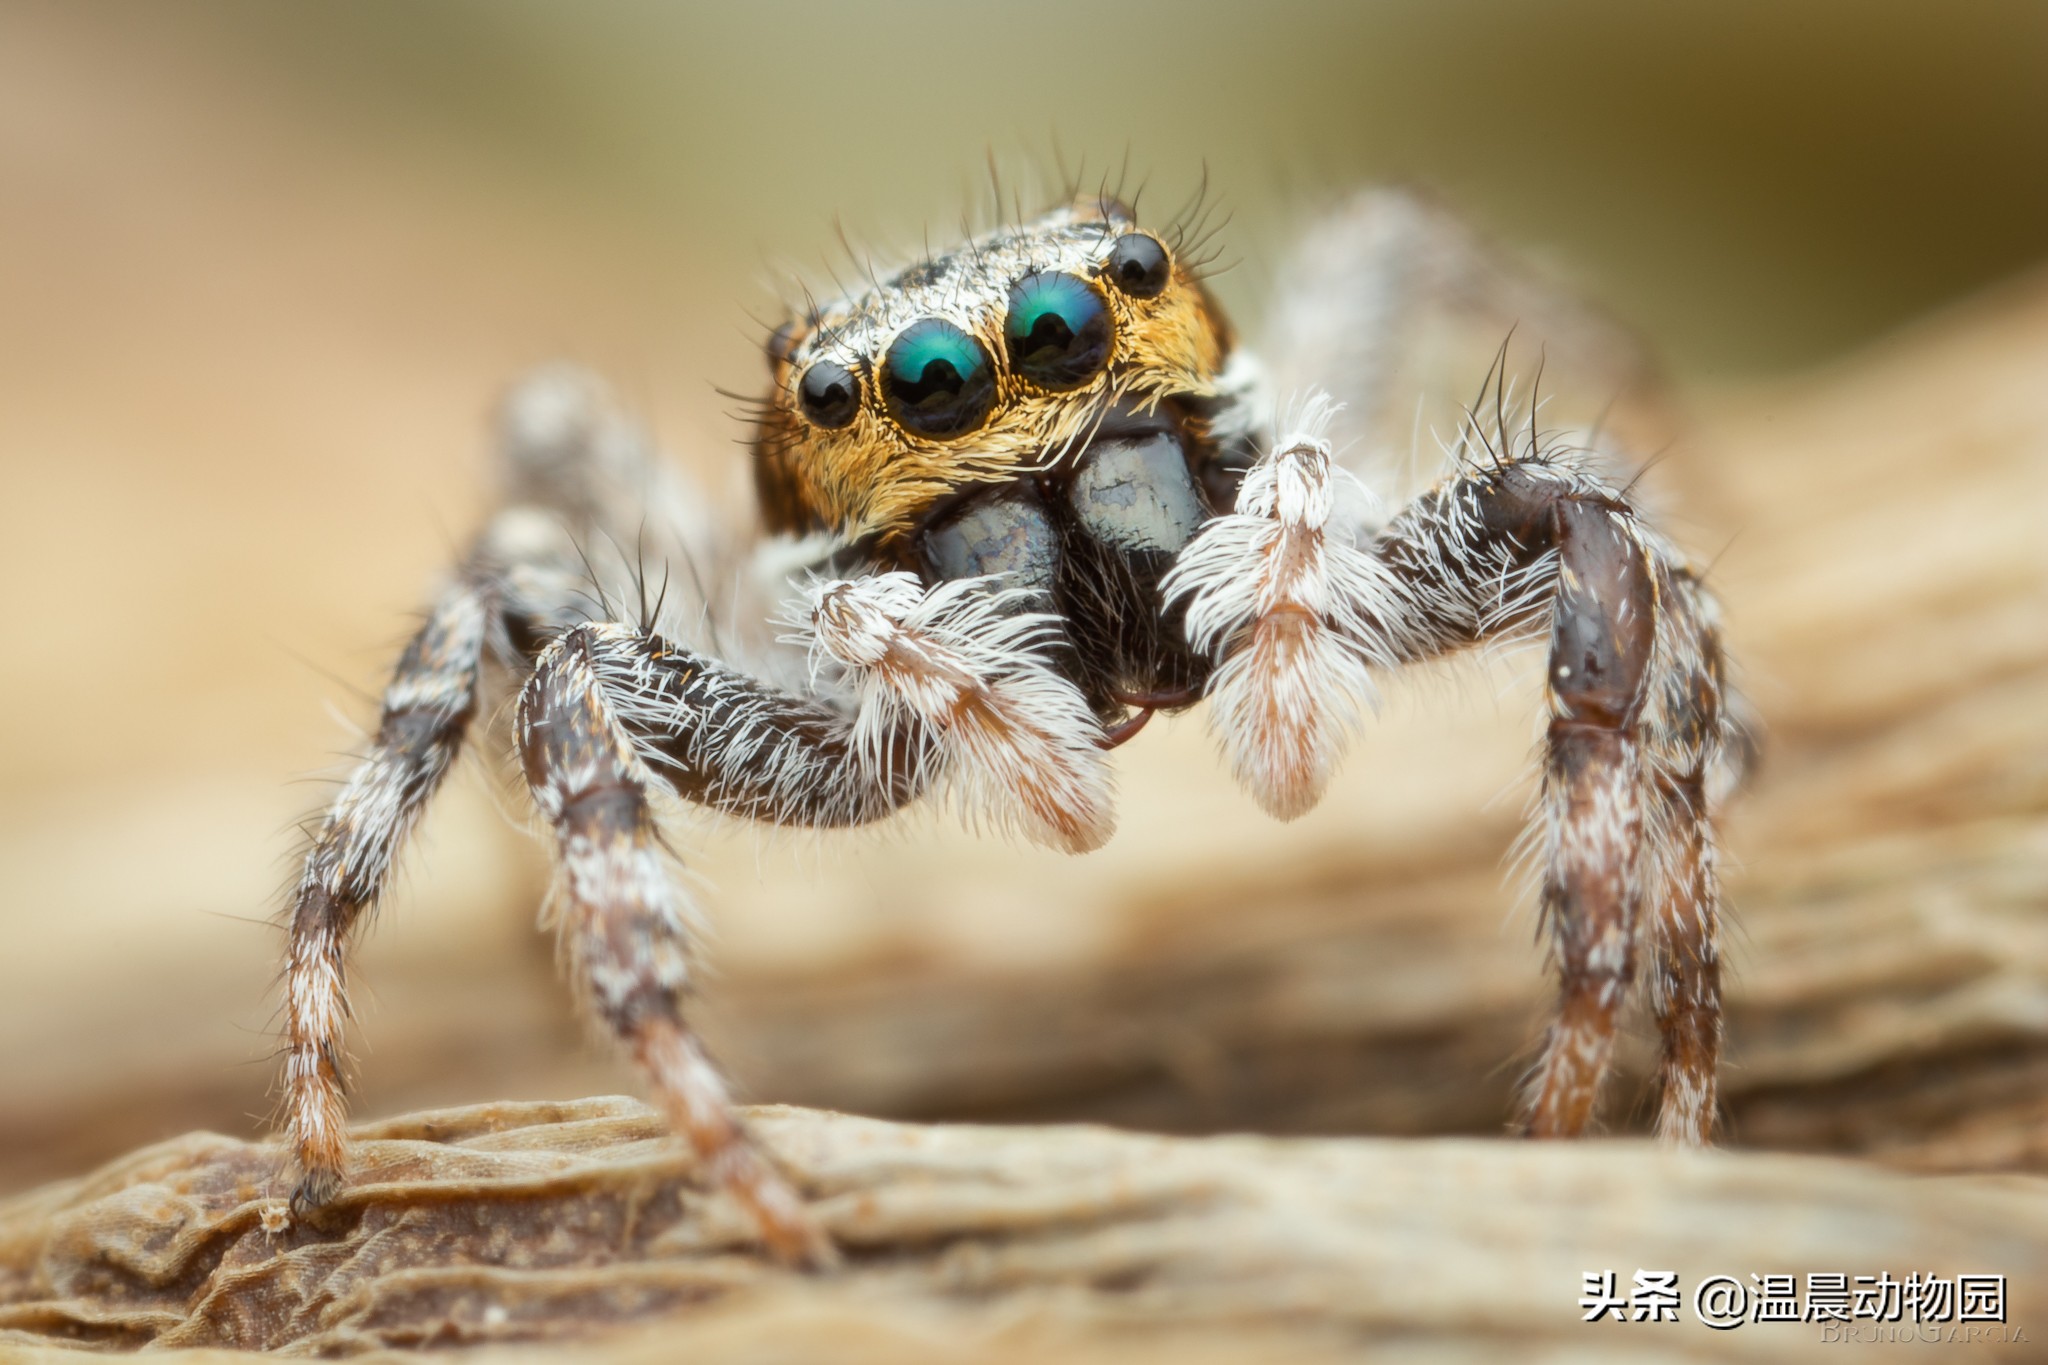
(1015, 499)
(1057, 403)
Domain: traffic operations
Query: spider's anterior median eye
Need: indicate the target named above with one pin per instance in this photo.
(938, 380)
(1058, 331)
(1137, 265)
(829, 393)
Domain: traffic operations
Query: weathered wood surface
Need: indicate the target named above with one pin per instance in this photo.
(514, 1223)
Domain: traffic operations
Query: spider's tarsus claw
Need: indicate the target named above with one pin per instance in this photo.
(313, 1197)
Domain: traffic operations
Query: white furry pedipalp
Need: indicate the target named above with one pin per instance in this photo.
(1290, 607)
(1017, 743)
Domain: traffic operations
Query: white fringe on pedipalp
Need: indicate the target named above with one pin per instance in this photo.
(1285, 599)
(1017, 744)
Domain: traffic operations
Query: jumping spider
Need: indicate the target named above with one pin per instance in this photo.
(1015, 499)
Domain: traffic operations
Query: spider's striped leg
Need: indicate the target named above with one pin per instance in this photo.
(1686, 708)
(1538, 538)
(950, 693)
(565, 444)
(427, 708)
(595, 523)
(573, 466)
(1685, 980)
(1389, 302)
(624, 925)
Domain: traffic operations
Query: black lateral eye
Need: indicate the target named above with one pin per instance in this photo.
(1138, 265)
(1057, 331)
(938, 380)
(829, 394)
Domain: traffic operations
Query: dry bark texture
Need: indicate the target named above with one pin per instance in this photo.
(1888, 596)
(506, 1223)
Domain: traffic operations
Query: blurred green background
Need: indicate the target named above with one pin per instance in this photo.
(1757, 183)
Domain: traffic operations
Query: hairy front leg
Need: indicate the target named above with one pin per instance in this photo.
(1303, 608)
(947, 691)
(1602, 632)
(427, 708)
(1685, 979)
(1690, 725)
(624, 927)
(1390, 302)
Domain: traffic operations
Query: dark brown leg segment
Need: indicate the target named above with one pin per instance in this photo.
(1601, 641)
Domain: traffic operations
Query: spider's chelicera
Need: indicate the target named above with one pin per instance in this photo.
(1016, 499)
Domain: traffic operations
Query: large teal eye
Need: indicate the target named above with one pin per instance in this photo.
(938, 380)
(1058, 331)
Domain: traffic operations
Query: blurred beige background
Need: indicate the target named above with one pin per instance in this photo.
(263, 270)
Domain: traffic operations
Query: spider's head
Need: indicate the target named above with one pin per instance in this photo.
(998, 369)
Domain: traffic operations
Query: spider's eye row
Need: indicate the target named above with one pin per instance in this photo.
(1057, 331)
(829, 394)
(937, 380)
(1138, 265)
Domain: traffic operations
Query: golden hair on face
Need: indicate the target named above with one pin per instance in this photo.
(977, 366)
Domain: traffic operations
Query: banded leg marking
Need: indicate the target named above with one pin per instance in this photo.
(624, 926)
(427, 708)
